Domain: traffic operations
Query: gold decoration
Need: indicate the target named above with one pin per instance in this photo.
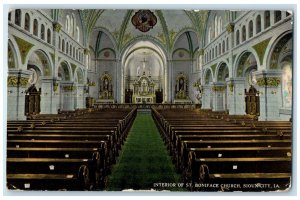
(12, 81)
(86, 51)
(55, 87)
(23, 81)
(69, 88)
(218, 88)
(260, 49)
(268, 81)
(231, 86)
(24, 47)
(56, 27)
(92, 84)
(230, 27)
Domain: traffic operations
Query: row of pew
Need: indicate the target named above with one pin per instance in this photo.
(217, 152)
(67, 151)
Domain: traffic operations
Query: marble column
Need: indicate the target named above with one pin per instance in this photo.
(47, 103)
(268, 84)
(17, 84)
(206, 95)
(80, 100)
(68, 100)
(236, 96)
(218, 90)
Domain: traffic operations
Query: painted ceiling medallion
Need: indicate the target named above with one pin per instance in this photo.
(144, 20)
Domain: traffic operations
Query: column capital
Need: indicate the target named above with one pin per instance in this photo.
(270, 78)
(56, 26)
(230, 27)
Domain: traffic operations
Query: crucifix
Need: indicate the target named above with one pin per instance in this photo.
(144, 64)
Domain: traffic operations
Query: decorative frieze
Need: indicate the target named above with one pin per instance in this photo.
(14, 81)
(23, 81)
(268, 81)
(69, 88)
(218, 88)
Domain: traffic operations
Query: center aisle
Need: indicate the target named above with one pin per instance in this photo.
(144, 159)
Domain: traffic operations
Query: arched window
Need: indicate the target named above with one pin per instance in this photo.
(220, 24)
(63, 45)
(77, 34)
(267, 19)
(43, 32)
(227, 44)
(59, 42)
(27, 22)
(72, 23)
(18, 17)
(49, 36)
(216, 26)
(250, 27)
(67, 48)
(258, 24)
(223, 46)
(244, 33)
(209, 35)
(67, 27)
(35, 27)
(216, 51)
(219, 48)
(237, 37)
(76, 54)
(71, 50)
(287, 14)
(277, 16)
(87, 61)
(9, 16)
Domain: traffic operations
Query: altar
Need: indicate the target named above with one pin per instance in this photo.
(143, 91)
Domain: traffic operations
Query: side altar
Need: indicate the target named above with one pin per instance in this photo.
(105, 89)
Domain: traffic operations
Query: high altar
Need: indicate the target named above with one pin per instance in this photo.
(144, 91)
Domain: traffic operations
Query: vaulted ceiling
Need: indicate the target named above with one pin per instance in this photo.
(170, 25)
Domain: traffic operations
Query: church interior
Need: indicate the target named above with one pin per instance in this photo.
(175, 100)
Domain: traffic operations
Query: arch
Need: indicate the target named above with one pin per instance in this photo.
(250, 29)
(267, 20)
(275, 46)
(47, 64)
(258, 24)
(208, 76)
(179, 34)
(244, 37)
(35, 27)
(79, 75)
(237, 37)
(18, 17)
(11, 55)
(16, 52)
(27, 22)
(151, 39)
(43, 32)
(222, 71)
(48, 36)
(64, 71)
(110, 36)
(245, 60)
(63, 45)
(277, 16)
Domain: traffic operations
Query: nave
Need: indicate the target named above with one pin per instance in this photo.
(117, 149)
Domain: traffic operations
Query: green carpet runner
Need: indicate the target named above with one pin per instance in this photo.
(144, 160)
